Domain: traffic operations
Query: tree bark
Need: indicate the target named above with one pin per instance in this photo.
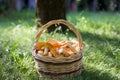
(93, 4)
(48, 10)
(11, 4)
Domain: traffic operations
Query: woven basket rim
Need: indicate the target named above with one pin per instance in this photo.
(71, 58)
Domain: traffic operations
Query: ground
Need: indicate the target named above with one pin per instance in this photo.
(100, 33)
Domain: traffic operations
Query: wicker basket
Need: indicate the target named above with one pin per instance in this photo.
(58, 67)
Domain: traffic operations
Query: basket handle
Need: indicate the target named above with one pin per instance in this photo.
(60, 21)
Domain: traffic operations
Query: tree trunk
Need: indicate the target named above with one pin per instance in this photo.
(93, 5)
(11, 4)
(48, 10)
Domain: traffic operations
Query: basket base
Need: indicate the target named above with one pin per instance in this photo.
(60, 76)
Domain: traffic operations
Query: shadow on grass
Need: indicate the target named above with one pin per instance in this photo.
(86, 36)
(101, 42)
(98, 38)
(91, 73)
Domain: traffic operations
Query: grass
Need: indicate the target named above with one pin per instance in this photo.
(100, 32)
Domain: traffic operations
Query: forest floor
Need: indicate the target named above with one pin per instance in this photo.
(100, 32)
